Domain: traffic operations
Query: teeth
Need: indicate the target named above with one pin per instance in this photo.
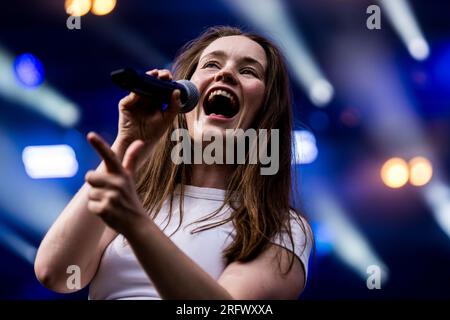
(222, 93)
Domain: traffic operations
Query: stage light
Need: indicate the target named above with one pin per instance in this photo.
(77, 8)
(272, 18)
(103, 7)
(29, 70)
(57, 161)
(338, 234)
(305, 149)
(43, 99)
(324, 238)
(395, 173)
(419, 48)
(421, 171)
(31, 204)
(321, 92)
(437, 194)
(402, 19)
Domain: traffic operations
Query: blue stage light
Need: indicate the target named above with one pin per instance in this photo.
(29, 70)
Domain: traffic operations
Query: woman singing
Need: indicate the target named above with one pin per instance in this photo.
(144, 226)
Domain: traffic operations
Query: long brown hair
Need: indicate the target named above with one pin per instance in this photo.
(264, 206)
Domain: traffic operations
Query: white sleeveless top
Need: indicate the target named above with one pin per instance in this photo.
(120, 276)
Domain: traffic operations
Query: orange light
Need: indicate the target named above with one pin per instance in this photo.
(102, 7)
(395, 173)
(77, 8)
(421, 171)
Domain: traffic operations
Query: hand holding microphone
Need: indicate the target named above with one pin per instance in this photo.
(159, 89)
(141, 116)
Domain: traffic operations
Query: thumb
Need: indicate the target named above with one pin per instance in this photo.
(131, 156)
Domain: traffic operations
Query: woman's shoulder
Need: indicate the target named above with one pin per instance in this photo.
(301, 232)
(298, 221)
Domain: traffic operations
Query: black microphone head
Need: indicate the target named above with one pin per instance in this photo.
(191, 98)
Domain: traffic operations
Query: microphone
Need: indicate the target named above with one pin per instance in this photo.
(161, 90)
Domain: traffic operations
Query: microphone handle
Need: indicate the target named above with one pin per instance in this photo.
(143, 84)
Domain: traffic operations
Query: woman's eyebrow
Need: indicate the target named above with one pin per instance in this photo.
(222, 54)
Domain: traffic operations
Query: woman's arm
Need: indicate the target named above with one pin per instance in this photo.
(77, 237)
(113, 197)
(262, 278)
(173, 273)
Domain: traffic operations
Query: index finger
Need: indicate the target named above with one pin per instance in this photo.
(109, 157)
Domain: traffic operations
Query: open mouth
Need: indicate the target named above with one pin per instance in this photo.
(221, 102)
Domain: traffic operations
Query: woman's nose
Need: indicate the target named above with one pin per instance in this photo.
(225, 75)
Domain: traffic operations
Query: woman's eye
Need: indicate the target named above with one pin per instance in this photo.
(249, 71)
(211, 65)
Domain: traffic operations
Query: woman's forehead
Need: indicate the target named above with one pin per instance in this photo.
(236, 46)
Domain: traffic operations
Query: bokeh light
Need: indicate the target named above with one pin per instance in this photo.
(29, 70)
(395, 173)
(103, 7)
(321, 92)
(421, 171)
(55, 161)
(77, 8)
(305, 148)
(419, 48)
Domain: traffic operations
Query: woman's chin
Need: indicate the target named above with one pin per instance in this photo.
(216, 124)
(210, 130)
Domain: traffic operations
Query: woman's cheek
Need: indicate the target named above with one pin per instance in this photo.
(200, 79)
(256, 95)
